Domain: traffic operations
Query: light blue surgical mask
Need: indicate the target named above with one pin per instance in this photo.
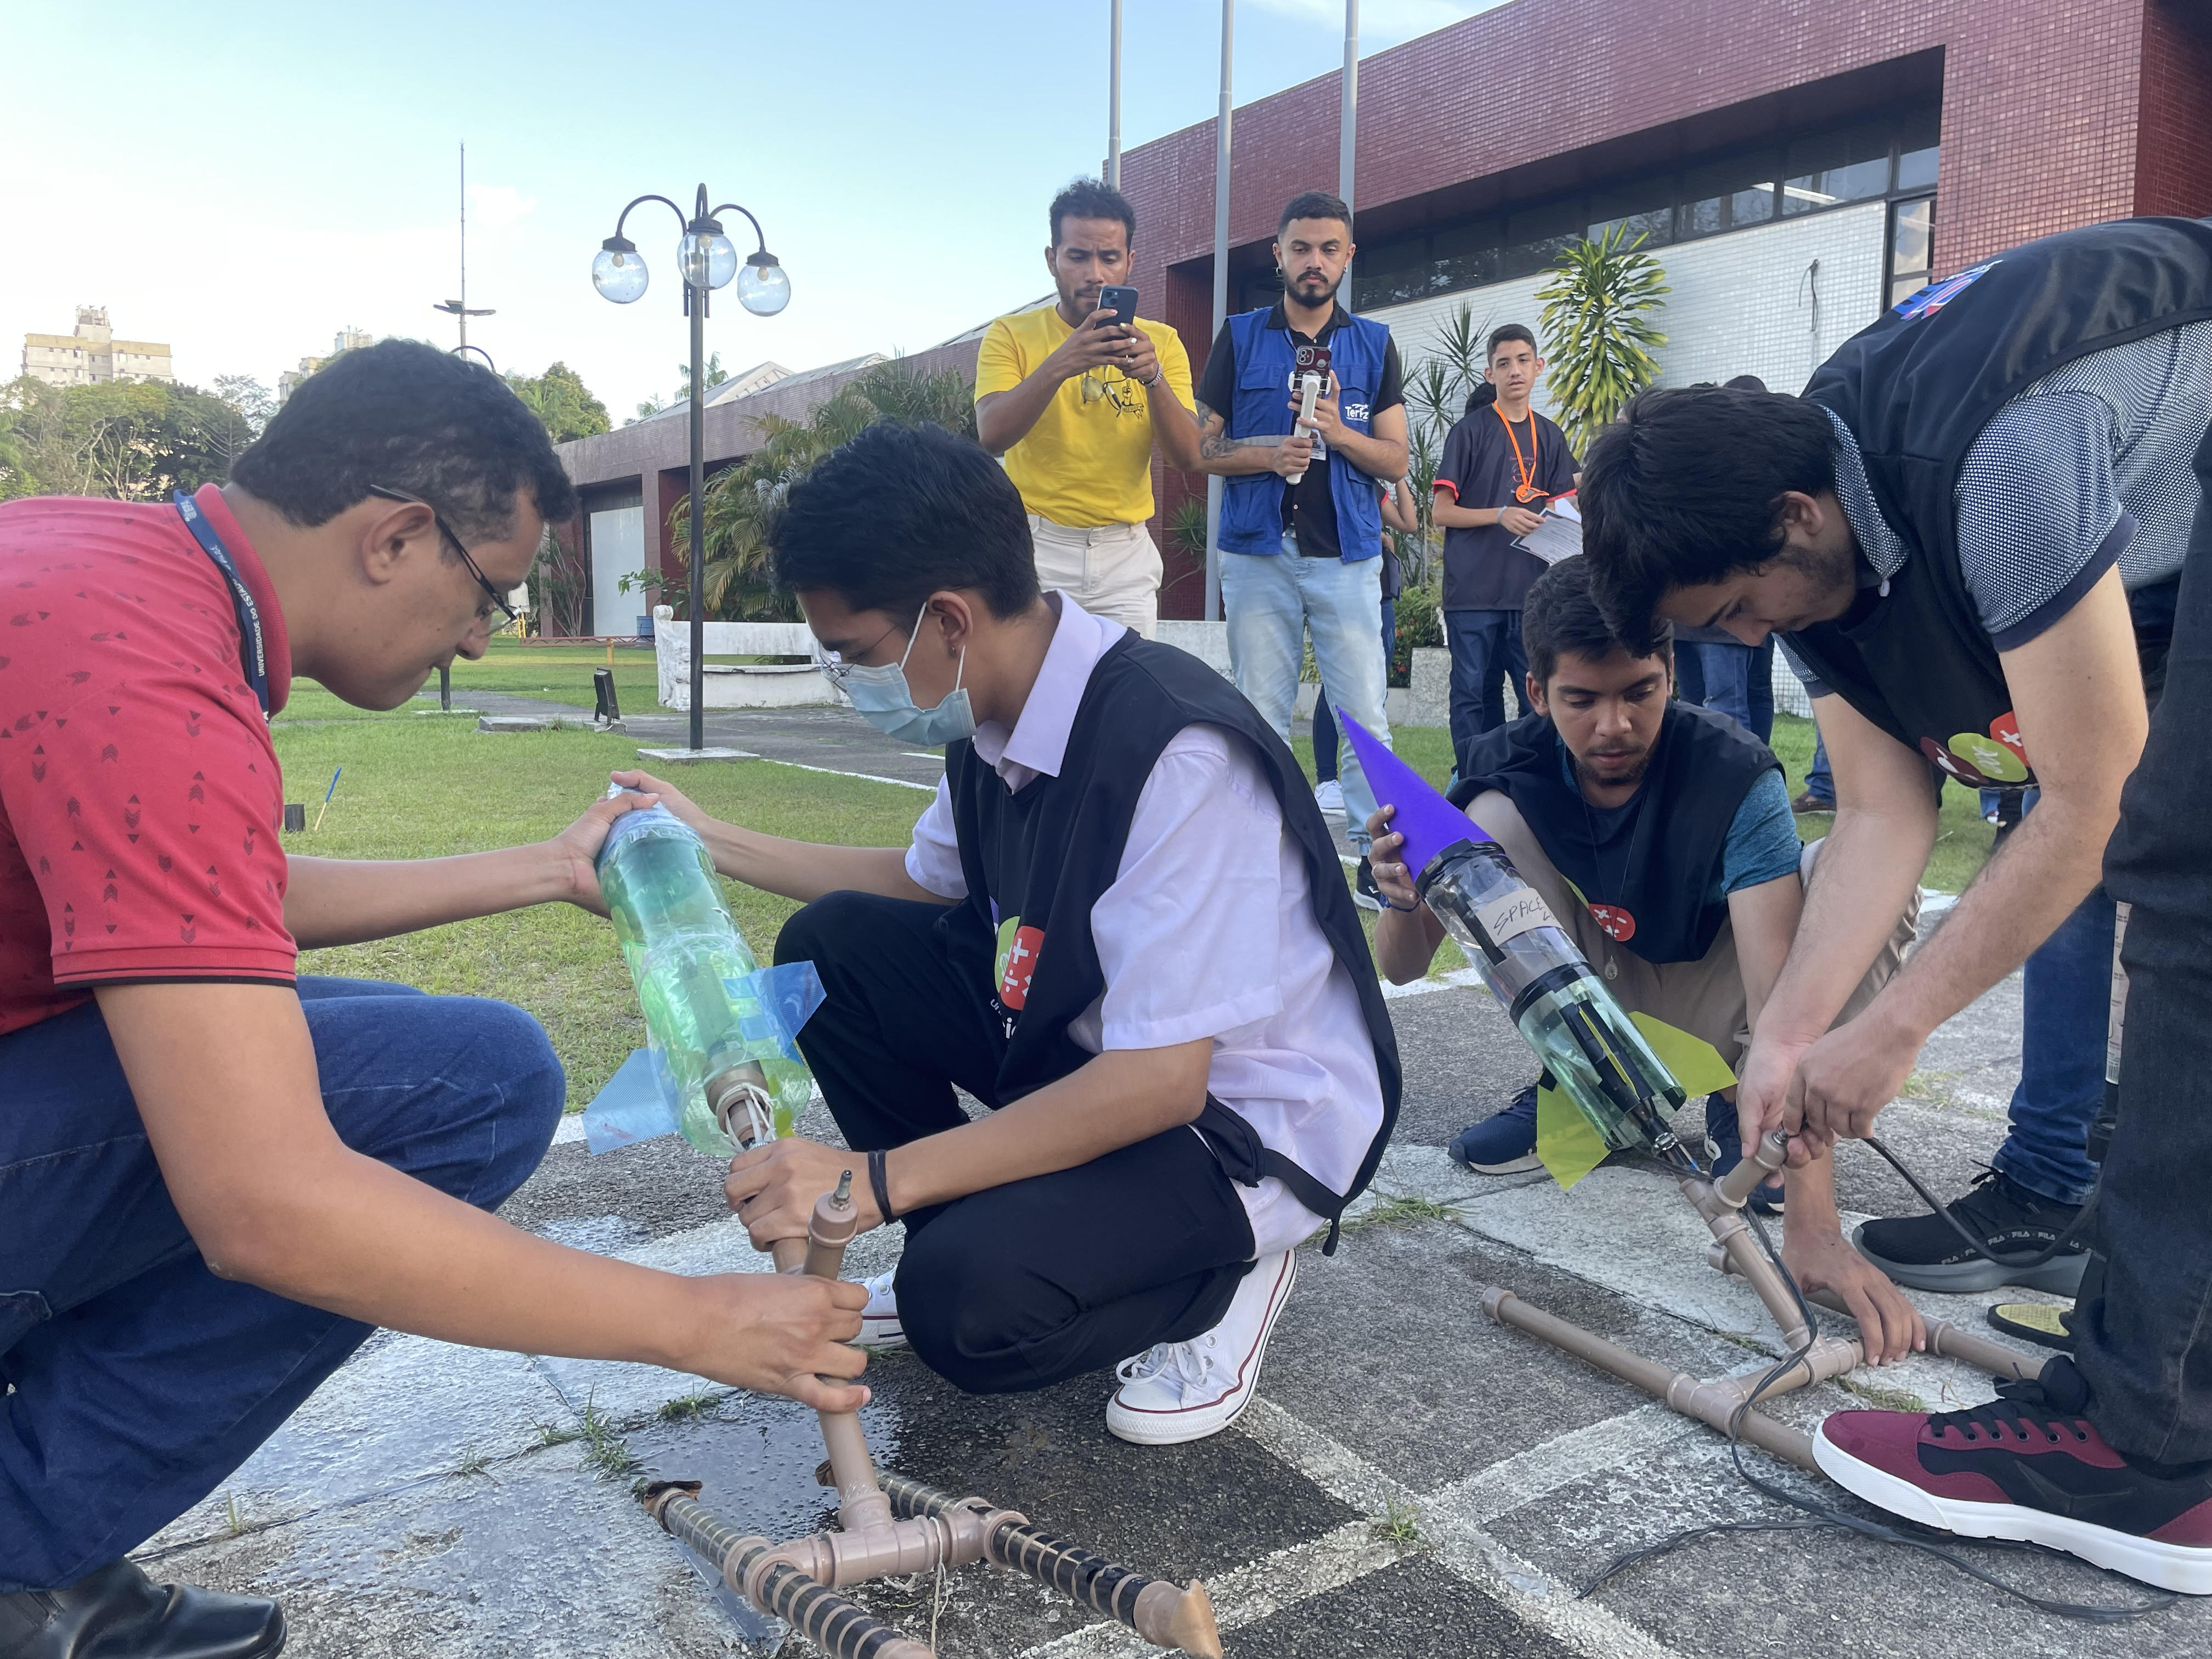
(887, 701)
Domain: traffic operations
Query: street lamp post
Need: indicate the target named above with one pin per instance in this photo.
(707, 259)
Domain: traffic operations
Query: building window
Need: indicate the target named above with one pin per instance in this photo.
(1911, 247)
(1894, 155)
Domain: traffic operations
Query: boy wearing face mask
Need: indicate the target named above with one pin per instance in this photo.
(1122, 925)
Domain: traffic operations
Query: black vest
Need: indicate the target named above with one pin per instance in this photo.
(1915, 388)
(1646, 878)
(1037, 859)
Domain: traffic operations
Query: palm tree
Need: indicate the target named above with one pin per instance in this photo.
(1599, 331)
(1436, 392)
(741, 499)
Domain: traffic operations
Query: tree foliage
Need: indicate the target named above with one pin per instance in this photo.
(562, 402)
(740, 498)
(133, 441)
(1598, 330)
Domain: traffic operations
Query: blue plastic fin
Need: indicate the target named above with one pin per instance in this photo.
(638, 1104)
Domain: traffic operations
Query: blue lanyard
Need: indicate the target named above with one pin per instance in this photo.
(253, 655)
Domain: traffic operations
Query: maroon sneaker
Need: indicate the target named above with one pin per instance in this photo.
(2021, 1467)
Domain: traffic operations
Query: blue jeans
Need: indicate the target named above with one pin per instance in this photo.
(1272, 600)
(1486, 657)
(140, 1379)
(1821, 783)
(2066, 1000)
(1735, 680)
(1324, 723)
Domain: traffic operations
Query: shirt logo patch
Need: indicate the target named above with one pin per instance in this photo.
(1933, 298)
(1019, 948)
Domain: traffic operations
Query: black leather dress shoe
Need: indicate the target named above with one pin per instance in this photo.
(118, 1613)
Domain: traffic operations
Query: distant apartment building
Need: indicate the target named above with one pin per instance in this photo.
(93, 355)
(346, 339)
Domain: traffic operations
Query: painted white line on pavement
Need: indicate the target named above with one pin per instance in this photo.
(1563, 1460)
(840, 772)
(1461, 1544)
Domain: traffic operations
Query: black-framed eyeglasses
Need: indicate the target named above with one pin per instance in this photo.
(836, 668)
(497, 598)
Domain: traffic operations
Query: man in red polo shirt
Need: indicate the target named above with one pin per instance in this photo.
(216, 1179)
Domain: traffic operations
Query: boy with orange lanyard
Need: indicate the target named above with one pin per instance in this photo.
(1502, 462)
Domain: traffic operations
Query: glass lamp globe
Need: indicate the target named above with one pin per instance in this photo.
(762, 288)
(708, 258)
(618, 272)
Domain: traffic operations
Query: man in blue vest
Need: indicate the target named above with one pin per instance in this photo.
(1301, 521)
(1972, 530)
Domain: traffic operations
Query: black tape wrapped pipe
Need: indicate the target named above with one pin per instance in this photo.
(839, 1627)
(1069, 1568)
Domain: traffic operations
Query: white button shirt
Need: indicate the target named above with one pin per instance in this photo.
(1202, 934)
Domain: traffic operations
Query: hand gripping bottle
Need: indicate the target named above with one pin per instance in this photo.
(1532, 966)
(695, 980)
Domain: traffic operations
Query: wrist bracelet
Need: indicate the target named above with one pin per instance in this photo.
(880, 1181)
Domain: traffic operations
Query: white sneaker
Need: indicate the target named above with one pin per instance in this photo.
(1329, 797)
(880, 1330)
(1183, 1391)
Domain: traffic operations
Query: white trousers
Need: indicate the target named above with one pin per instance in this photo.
(1112, 571)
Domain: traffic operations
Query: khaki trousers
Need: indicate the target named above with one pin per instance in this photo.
(1111, 570)
(1705, 997)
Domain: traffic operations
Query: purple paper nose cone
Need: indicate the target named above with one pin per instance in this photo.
(1427, 821)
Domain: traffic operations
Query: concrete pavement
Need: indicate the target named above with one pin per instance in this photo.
(1414, 1479)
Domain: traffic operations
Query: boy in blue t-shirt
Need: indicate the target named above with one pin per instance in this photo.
(1661, 836)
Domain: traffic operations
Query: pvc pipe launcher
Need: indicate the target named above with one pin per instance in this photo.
(1602, 1062)
(889, 1526)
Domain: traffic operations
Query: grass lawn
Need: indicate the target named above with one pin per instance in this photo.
(1962, 838)
(422, 788)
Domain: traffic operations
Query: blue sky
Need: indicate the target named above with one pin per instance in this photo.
(242, 180)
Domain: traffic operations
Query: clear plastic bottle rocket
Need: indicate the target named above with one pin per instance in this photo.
(1531, 964)
(720, 1048)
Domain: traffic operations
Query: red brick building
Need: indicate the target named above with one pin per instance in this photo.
(1789, 160)
(1792, 163)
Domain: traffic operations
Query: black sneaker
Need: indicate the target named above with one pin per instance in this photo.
(117, 1612)
(1924, 1252)
(1364, 893)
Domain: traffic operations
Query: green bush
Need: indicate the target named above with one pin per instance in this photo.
(1420, 623)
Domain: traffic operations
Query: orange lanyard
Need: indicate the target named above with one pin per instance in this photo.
(1526, 489)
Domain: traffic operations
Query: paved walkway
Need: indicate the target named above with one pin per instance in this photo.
(1414, 1480)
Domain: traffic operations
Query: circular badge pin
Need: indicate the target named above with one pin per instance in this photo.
(1990, 757)
(1620, 927)
(1951, 764)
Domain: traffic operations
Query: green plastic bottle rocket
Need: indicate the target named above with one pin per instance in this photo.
(735, 1081)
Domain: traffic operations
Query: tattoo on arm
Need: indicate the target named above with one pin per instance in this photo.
(1213, 441)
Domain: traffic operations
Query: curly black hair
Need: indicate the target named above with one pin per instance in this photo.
(1087, 198)
(411, 417)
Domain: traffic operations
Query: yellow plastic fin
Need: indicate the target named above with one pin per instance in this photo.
(1696, 1064)
(1569, 1146)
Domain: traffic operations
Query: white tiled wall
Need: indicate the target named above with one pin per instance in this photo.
(1741, 304)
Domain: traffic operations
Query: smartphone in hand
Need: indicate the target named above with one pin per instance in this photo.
(1119, 302)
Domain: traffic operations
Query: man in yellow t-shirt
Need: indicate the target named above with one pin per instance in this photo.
(1075, 401)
